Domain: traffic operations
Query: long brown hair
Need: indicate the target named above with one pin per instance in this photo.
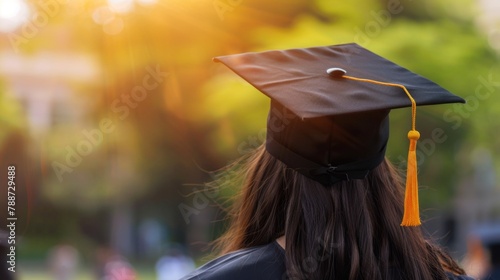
(349, 230)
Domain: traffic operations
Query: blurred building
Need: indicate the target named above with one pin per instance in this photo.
(45, 84)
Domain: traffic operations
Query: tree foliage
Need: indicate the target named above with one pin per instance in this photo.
(201, 116)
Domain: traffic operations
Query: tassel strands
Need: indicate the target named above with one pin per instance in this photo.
(411, 215)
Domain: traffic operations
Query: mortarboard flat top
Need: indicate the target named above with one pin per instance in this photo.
(297, 79)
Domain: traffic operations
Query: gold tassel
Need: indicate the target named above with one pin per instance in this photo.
(411, 215)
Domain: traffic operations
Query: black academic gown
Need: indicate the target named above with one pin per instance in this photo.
(265, 262)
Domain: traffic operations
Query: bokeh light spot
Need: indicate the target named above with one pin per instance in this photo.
(9, 8)
(121, 6)
(147, 2)
(113, 26)
(13, 13)
(102, 15)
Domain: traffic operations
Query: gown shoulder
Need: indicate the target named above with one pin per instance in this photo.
(264, 262)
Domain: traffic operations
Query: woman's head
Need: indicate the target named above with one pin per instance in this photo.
(349, 230)
(322, 177)
(329, 121)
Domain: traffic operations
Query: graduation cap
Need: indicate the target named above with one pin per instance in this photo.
(330, 106)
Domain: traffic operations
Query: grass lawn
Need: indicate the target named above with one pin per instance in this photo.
(36, 271)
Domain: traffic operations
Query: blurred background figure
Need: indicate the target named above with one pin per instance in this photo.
(101, 257)
(476, 259)
(117, 268)
(483, 256)
(151, 238)
(174, 265)
(63, 262)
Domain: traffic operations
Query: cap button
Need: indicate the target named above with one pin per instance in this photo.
(336, 72)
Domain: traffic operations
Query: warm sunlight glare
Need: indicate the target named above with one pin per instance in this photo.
(9, 8)
(12, 14)
(147, 2)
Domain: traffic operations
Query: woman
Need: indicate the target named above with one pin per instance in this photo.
(319, 199)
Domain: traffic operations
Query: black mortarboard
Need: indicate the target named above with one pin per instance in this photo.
(330, 106)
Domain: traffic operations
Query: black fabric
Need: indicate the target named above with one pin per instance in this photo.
(326, 175)
(297, 78)
(258, 263)
(265, 262)
(337, 126)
